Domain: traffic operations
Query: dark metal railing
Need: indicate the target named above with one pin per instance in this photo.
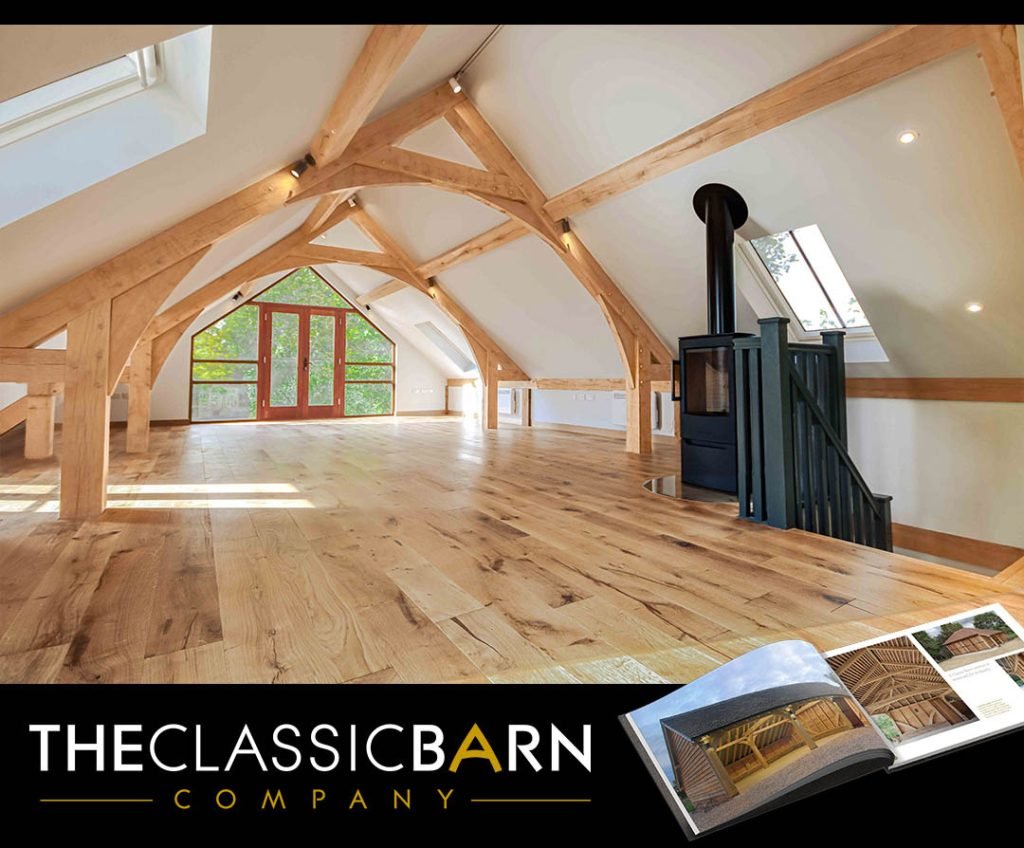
(793, 465)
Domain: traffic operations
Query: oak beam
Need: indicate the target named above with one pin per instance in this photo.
(1000, 52)
(35, 321)
(980, 389)
(638, 404)
(476, 246)
(630, 329)
(13, 414)
(266, 261)
(490, 394)
(385, 289)
(140, 389)
(443, 172)
(325, 254)
(887, 55)
(382, 55)
(39, 412)
(526, 407)
(476, 335)
(387, 129)
(86, 430)
(31, 365)
(132, 312)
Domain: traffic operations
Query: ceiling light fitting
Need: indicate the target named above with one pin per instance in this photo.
(974, 307)
(455, 84)
(302, 165)
(907, 137)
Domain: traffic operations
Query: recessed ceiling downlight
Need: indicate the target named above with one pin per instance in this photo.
(907, 137)
(974, 307)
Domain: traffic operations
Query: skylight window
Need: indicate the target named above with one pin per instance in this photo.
(59, 101)
(811, 280)
(446, 346)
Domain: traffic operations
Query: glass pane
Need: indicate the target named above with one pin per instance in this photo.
(284, 359)
(782, 258)
(706, 374)
(368, 372)
(223, 371)
(303, 287)
(233, 337)
(831, 275)
(364, 342)
(367, 398)
(321, 360)
(211, 402)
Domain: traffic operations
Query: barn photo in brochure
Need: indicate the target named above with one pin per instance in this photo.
(671, 371)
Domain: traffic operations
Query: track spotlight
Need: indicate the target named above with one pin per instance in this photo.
(566, 230)
(352, 202)
(432, 289)
(236, 296)
(455, 84)
(300, 167)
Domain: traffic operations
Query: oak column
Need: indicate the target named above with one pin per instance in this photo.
(140, 385)
(86, 430)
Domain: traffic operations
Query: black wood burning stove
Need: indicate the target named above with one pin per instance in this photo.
(706, 363)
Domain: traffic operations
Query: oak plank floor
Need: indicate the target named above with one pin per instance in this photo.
(418, 549)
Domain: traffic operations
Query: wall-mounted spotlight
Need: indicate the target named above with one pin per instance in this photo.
(455, 84)
(300, 167)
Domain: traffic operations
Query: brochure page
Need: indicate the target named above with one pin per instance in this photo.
(939, 685)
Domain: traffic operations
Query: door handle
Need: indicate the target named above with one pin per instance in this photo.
(305, 363)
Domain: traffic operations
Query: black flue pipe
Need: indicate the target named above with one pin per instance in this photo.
(722, 210)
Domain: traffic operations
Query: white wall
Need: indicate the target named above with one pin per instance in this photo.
(605, 410)
(950, 466)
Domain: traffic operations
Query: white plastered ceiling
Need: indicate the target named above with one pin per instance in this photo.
(919, 230)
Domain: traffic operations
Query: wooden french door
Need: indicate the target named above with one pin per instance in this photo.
(302, 357)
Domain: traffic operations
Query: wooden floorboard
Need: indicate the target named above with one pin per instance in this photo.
(418, 549)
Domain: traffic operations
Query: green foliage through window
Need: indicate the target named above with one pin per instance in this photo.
(232, 337)
(304, 287)
(221, 372)
(368, 372)
(368, 398)
(364, 342)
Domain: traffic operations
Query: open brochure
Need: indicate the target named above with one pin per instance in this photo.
(785, 721)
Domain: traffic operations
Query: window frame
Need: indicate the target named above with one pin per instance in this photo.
(341, 362)
(780, 303)
(149, 63)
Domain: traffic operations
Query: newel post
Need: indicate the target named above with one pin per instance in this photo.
(834, 340)
(777, 424)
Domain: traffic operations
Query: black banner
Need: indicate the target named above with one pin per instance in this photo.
(403, 782)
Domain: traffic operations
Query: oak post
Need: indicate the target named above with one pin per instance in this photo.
(41, 400)
(86, 431)
(140, 387)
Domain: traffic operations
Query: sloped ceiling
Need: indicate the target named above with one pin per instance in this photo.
(919, 230)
